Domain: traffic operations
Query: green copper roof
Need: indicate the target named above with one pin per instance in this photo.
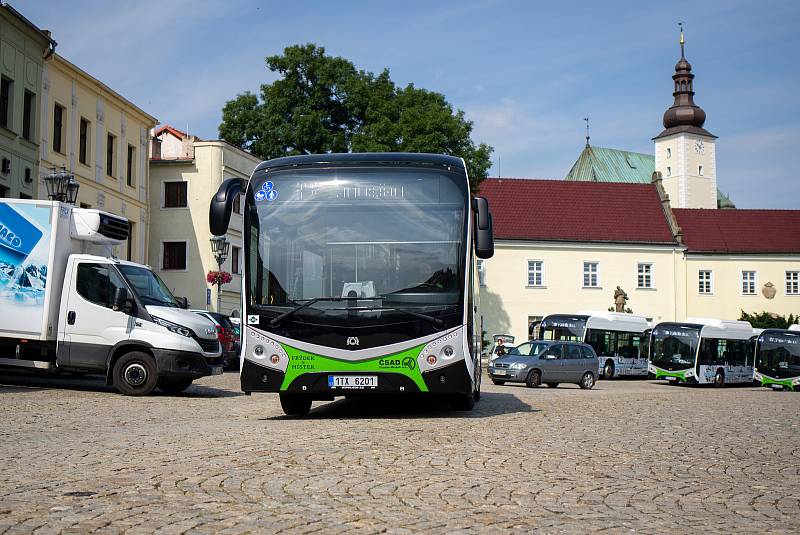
(598, 164)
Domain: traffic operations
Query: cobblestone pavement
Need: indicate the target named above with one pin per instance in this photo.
(627, 456)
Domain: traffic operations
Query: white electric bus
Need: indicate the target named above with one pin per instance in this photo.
(620, 340)
(703, 351)
(778, 358)
(359, 276)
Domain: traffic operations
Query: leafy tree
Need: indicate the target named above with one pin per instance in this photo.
(324, 104)
(769, 320)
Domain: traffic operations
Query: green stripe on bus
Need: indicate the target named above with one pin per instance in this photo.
(766, 381)
(664, 373)
(401, 363)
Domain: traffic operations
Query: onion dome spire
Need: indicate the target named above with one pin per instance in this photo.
(684, 115)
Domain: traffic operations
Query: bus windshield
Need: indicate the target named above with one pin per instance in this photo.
(674, 346)
(569, 328)
(361, 242)
(779, 354)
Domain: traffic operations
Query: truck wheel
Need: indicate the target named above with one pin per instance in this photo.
(174, 386)
(135, 374)
(608, 370)
(294, 405)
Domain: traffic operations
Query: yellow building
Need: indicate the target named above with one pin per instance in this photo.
(23, 47)
(184, 174)
(101, 138)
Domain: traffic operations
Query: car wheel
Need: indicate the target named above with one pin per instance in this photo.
(498, 382)
(587, 381)
(294, 405)
(135, 374)
(552, 385)
(534, 379)
(719, 379)
(463, 402)
(174, 386)
(608, 370)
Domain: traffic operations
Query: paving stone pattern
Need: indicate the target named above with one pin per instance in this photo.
(628, 456)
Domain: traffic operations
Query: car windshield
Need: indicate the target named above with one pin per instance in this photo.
(528, 349)
(779, 354)
(674, 346)
(150, 289)
(391, 238)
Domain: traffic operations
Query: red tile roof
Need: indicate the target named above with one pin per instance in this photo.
(740, 231)
(172, 130)
(559, 210)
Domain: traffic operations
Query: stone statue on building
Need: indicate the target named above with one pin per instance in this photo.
(620, 299)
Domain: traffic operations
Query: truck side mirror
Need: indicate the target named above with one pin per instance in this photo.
(120, 299)
(484, 232)
(219, 213)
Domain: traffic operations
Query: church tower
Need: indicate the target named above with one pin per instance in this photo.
(685, 151)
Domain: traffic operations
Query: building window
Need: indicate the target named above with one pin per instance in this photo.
(131, 240)
(535, 273)
(704, 279)
(6, 90)
(644, 275)
(700, 170)
(24, 196)
(174, 255)
(27, 115)
(669, 171)
(85, 205)
(110, 142)
(131, 168)
(83, 148)
(481, 272)
(175, 195)
(590, 275)
(4, 191)
(235, 259)
(58, 128)
(748, 282)
(237, 205)
(669, 152)
(793, 283)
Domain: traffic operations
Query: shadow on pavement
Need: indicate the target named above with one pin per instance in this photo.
(376, 407)
(26, 381)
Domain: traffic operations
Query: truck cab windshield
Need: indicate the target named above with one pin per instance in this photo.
(150, 289)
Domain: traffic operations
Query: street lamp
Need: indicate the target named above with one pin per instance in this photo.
(219, 247)
(61, 185)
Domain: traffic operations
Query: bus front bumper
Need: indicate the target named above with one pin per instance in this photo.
(452, 378)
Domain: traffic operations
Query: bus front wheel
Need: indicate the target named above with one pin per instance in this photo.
(294, 405)
(719, 379)
(608, 370)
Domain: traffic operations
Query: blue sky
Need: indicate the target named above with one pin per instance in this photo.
(525, 73)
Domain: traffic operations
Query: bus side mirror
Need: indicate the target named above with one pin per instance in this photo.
(484, 232)
(219, 213)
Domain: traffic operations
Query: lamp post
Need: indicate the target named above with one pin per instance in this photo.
(219, 246)
(61, 185)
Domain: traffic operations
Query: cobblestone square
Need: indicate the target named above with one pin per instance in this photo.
(627, 456)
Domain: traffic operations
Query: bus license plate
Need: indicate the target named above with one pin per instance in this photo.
(353, 381)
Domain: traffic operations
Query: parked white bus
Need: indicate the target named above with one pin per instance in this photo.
(777, 358)
(702, 350)
(620, 340)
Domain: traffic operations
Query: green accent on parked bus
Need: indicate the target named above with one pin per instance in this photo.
(402, 363)
(767, 381)
(681, 375)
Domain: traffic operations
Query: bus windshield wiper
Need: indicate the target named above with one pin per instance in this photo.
(276, 320)
(436, 321)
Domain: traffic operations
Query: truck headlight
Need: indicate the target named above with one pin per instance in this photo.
(519, 366)
(173, 327)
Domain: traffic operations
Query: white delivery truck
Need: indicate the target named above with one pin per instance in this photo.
(67, 305)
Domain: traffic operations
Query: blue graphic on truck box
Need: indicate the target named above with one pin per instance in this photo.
(24, 249)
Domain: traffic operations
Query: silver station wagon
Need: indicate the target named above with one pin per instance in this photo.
(547, 362)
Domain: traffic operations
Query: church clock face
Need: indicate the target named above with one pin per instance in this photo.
(699, 146)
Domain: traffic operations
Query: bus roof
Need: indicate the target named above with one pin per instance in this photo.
(615, 321)
(377, 158)
(714, 328)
